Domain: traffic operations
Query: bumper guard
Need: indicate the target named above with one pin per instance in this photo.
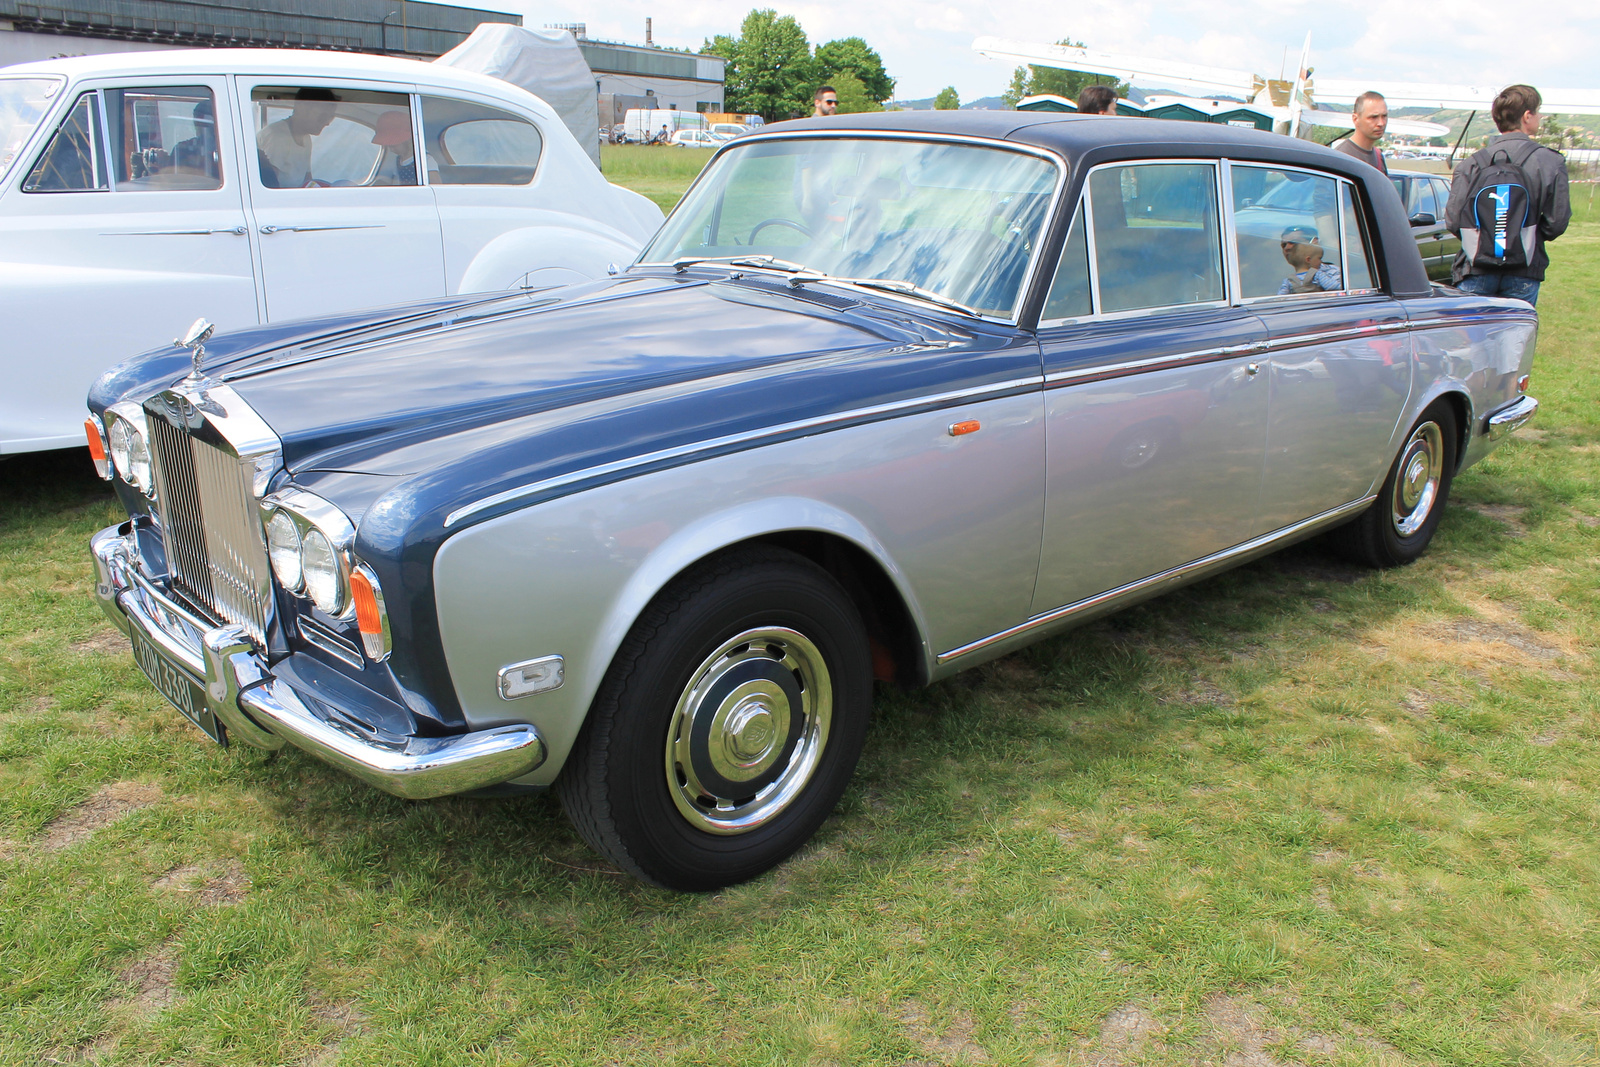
(264, 711)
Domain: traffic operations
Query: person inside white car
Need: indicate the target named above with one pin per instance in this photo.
(399, 163)
(284, 147)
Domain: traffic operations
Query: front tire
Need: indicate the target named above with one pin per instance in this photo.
(728, 726)
(1396, 529)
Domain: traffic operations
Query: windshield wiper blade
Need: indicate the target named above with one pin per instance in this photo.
(760, 261)
(887, 285)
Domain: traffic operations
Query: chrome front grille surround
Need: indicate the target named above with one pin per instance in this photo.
(213, 457)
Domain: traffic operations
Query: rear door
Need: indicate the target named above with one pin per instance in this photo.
(1156, 415)
(340, 221)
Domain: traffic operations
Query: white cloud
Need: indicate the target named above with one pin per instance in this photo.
(927, 46)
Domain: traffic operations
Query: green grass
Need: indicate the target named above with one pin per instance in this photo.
(661, 172)
(1301, 813)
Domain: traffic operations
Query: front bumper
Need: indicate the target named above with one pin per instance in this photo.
(265, 711)
(1510, 418)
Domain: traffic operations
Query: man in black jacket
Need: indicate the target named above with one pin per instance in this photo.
(1516, 115)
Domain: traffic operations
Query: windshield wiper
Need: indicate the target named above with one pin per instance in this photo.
(886, 285)
(771, 262)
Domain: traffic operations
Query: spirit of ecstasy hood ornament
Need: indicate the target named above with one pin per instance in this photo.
(195, 340)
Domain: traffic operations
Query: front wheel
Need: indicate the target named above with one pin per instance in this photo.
(1397, 527)
(728, 726)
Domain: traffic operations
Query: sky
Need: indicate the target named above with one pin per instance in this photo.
(928, 45)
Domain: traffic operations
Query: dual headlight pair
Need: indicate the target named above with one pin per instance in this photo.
(127, 441)
(309, 545)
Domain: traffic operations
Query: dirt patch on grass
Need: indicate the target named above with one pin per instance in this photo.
(343, 1018)
(210, 887)
(1201, 692)
(1509, 515)
(1123, 1035)
(111, 803)
(1417, 704)
(103, 643)
(1494, 632)
(152, 976)
(954, 1043)
(1239, 1033)
(1493, 637)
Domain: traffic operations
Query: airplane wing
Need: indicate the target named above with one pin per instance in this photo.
(1341, 120)
(1463, 97)
(1170, 74)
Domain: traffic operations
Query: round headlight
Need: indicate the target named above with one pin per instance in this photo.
(283, 548)
(120, 438)
(143, 478)
(323, 577)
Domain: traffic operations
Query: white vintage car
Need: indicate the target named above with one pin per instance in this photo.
(266, 185)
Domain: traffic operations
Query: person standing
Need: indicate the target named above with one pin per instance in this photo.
(824, 102)
(1545, 207)
(1098, 100)
(1371, 116)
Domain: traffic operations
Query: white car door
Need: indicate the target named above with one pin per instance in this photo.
(337, 206)
(127, 224)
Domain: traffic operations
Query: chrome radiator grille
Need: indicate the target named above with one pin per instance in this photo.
(214, 544)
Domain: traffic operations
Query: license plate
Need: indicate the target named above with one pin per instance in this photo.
(182, 689)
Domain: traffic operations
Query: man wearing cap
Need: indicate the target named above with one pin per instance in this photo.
(399, 163)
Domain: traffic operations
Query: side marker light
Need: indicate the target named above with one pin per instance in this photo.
(958, 429)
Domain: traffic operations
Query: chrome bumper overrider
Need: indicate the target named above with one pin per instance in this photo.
(1513, 416)
(262, 710)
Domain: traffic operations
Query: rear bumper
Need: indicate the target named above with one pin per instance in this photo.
(265, 711)
(1510, 418)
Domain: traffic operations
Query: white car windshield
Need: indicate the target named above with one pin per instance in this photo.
(23, 102)
(957, 223)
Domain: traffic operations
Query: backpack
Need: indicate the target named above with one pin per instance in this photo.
(1500, 227)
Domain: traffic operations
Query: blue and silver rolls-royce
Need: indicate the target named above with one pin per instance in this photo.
(887, 396)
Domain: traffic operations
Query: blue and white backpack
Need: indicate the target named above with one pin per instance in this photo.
(1499, 230)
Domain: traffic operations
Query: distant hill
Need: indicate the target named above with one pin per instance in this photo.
(987, 103)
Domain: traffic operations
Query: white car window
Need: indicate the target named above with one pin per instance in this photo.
(321, 137)
(163, 138)
(73, 161)
(470, 144)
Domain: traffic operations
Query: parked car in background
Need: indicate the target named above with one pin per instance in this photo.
(267, 185)
(887, 396)
(1425, 197)
(727, 131)
(694, 139)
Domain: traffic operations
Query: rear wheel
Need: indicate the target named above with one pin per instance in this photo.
(1397, 527)
(728, 726)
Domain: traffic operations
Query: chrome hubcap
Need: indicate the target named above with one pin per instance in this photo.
(748, 731)
(1417, 487)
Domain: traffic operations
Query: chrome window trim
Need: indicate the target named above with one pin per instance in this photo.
(1174, 574)
(1139, 366)
(1030, 278)
(1230, 233)
(748, 439)
(1344, 244)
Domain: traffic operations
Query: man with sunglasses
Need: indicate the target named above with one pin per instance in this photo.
(824, 102)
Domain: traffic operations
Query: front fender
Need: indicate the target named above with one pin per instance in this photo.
(561, 579)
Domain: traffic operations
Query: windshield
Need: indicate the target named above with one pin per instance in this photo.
(23, 102)
(959, 222)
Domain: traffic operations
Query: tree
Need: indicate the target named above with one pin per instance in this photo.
(947, 100)
(1035, 81)
(770, 70)
(853, 96)
(852, 55)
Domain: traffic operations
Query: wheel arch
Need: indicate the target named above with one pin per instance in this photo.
(516, 253)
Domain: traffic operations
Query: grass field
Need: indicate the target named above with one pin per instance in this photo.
(1302, 813)
(660, 172)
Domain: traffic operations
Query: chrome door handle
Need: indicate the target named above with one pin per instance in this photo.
(315, 229)
(237, 231)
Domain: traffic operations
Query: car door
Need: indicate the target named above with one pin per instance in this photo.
(127, 225)
(1155, 414)
(1340, 367)
(340, 222)
(1449, 243)
(1426, 211)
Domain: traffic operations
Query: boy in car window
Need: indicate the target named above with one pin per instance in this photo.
(1304, 254)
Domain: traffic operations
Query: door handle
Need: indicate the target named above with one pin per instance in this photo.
(1253, 369)
(237, 231)
(313, 229)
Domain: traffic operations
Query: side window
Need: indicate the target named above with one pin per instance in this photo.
(1441, 196)
(314, 137)
(1069, 292)
(1425, 202)
(73, 162)
(1287, 232)
(471, 144)
(164, 138)
(1155, 235)
(1358, 260)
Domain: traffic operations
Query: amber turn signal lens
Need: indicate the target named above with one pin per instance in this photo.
(957, 429)
(97, 451)
(368, 621)
(1522, 383)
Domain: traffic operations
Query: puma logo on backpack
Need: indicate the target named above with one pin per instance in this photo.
(1500, 227)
